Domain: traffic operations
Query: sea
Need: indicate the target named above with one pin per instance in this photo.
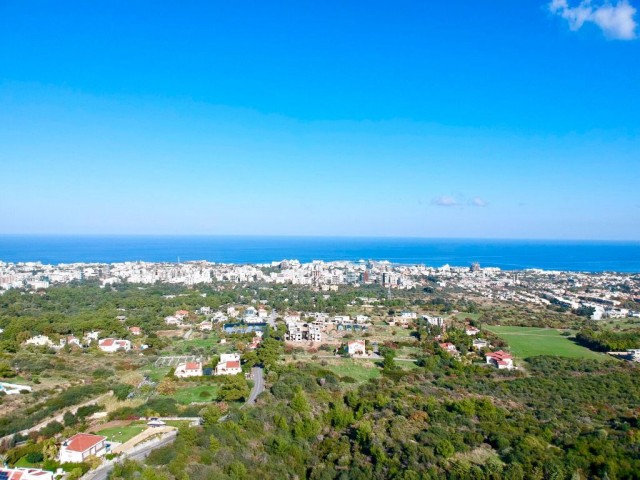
(586, 256)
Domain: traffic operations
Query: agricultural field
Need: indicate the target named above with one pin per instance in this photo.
(527, 342)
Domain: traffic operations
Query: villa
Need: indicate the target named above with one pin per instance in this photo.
(81, 446)
(189, 369)
(501, 360)
(229, 364)
(110, 345)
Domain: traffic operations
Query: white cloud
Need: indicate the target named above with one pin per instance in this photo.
(445, 201)
(478, 202)
(614, 19)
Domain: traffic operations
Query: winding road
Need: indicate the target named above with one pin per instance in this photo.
(257, 374)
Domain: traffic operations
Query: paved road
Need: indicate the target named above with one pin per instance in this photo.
(140, 453)
(257, 373)
(271, 319)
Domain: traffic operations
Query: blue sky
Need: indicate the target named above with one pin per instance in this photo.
(509, 119)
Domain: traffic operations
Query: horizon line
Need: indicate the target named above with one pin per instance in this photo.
(309, 236)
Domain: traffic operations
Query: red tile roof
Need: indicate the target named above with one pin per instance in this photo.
(81, 442)
(235, 364)
(499, 355)
(192, 366)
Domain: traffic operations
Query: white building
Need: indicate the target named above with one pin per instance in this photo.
(40, 341)
(300, 332)
(357, 347)
(435, 321)
(208, 326)
(229, 364)
(471, 331)
(189, 369)
(81, 446)
(449, 347)
(111, 345)
(501, 360)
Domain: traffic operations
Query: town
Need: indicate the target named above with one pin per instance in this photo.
(604, 294)
(105, 364)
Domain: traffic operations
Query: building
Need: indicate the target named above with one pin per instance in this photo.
(189, 369)
(449, 347)
(435, 321)
(40, 341)
(479, 343)
(81, 446)
(110, 345)
(135, 330)
(25, 474)
(229, 364)
(357, 347)
(300, 332)
(471, 331)
(501, 360)
(71, 341)
(257, 339)
(205, 326)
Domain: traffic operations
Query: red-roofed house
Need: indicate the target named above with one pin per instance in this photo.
(229, 364)
(135, 330)
(449, 347)
(189, 369)
(81, 446)
(25, 474)
(471, 331)
(111, 345)
(501, 360)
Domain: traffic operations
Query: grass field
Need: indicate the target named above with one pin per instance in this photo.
(122, 434)
(464, 315)
(188, 395)
(156, 374)
(530, 341)
(361, 370)
(24, 463)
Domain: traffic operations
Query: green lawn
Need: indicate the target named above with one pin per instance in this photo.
(156, 374)
(360, 370)
(122, 434)
(24, 463)
(188, 395)
(530, 341)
